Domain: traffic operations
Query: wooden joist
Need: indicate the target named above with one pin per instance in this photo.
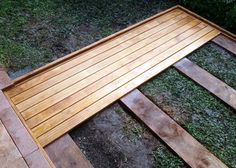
(208, 81)
(226, 43)
(65, 153)
(10, 157)
(188, 148)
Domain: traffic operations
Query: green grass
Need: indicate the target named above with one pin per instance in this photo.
(205, 117)
(137, 131)
(33, 32)
(164, 158)
(216, 61)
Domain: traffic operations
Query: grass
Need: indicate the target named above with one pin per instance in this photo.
(216, 61)
(205, 117)
(35, 32)
(137, 131)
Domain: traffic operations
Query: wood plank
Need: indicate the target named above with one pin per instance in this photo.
(78, 117)
(92, 98)
(89, 47)
(65, 153)
(86, 68)
(208, 81)
(97, 62)
(223, 31)
(118, 38)
(9, 154)
(4, 79)
(49, 112)
(226, 43)
(124, 65)
(15, 127)
(188, 148)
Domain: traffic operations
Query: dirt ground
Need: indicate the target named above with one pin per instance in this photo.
(114, 138)
(37, 33)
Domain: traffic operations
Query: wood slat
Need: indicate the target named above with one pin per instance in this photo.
(208, 81)
(93, 65)
(143, 54)
(73, 118)
(52, 122)
(65, 154)
(44, 115)
(188, 148)
(226, 43)
(91, 53)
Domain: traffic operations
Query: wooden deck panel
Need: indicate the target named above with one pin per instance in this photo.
(61, 97)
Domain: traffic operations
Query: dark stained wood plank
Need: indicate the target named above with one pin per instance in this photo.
(9, 154)
(65, 153)
(37, 160)
(188, 148)
(15, 127)
(226, 43)
(208, 81)
(4, 79)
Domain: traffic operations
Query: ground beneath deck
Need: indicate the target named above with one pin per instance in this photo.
(113, 138)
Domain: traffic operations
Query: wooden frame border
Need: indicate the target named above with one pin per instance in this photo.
(73, 54)
(226, 33)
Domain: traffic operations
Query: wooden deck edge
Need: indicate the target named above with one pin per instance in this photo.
(226, 43)
(73, 54)
(22, 137)
(188, 148)
(223, 31)
(65, 153)
(208, 81)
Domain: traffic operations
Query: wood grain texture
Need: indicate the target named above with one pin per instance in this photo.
(78, 117)
(65, 153)
(97, 80)
(188, 148)
(54, 64)
(226, 43)
(10, 156)
(208, 81)
(92, 98)
(92, 66)
(96, 49)
(61, 97)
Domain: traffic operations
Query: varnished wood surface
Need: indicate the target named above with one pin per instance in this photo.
(65, 154)
(53, 102)
(208, 81)
(188, 148)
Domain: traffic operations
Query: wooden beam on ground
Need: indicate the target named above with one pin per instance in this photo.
(65, 153)
(208, 81)
(10, 157)
(226, 43)
(188, 148)
(31, 153)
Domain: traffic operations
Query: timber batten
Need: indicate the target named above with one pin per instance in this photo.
(62, 96)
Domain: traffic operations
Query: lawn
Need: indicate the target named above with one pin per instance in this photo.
(33, 33)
